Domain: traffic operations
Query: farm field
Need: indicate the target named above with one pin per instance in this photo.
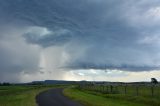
(90, 97)
(16, 95)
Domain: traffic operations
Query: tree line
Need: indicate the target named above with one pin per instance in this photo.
(5, 84)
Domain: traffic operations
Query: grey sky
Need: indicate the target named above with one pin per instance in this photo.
(56, 36)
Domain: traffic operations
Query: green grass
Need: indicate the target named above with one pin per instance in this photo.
(93, 98)
(21, 95)
(130, 90)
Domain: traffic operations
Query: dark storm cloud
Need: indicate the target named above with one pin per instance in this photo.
(109, 33)
(113, 67)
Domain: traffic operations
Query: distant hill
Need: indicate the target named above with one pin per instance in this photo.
(52, 82)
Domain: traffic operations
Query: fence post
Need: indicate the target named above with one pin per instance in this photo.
(117, 89)
(137, 90)
(111, 88)
(97, 88)
(125, 89)
(152, 90)
(102, 88)
(107, 88)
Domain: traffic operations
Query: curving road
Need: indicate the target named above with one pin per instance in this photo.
(54, 97)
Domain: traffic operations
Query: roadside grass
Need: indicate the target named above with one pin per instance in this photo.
(143, 90)
(93, 98)
(21, 95)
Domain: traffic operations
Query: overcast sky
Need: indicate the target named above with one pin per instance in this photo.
(110, 40)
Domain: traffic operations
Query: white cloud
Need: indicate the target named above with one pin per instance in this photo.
(153, 14)
(154, 39)
(142, 13)
(38, 31)
(114, 75)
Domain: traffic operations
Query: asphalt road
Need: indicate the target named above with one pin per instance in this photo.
(54, 97)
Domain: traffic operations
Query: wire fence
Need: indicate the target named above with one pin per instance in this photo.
(136, 90)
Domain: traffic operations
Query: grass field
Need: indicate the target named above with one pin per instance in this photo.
(140, 90)
(21, 95)
(25, 96)
(94, 98)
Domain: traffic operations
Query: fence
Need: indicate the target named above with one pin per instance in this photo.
(137, 90)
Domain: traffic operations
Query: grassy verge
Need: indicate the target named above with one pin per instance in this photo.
(20, 95)
(147, 100)
(89, 98)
